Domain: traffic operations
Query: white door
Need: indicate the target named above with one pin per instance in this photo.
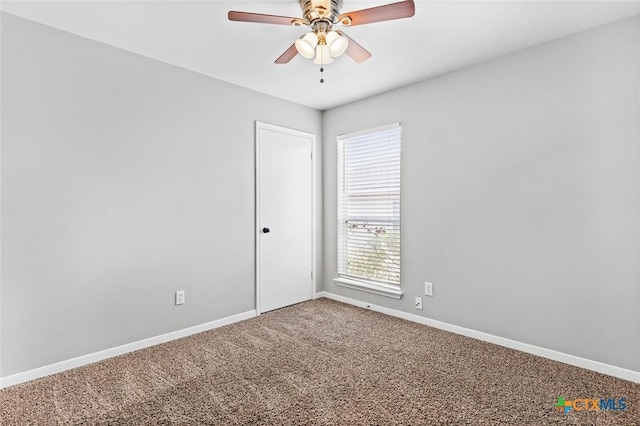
(284, 217)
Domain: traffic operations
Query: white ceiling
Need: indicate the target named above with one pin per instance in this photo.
(441, 37)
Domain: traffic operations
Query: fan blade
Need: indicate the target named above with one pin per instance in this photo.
(388, 12)
(261, 18)
(354, 50)
(288, 55)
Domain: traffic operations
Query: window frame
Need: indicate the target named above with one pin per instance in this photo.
(382, 288)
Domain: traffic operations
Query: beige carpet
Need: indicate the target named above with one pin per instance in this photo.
(319, 362)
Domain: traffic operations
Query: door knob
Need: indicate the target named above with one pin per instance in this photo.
(266, 230)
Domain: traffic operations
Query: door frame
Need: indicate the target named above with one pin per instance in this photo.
(260, 125)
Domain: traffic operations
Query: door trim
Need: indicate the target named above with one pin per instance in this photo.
(260, 125)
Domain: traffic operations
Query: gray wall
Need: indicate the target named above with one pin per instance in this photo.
(123, 180)
(521, 194)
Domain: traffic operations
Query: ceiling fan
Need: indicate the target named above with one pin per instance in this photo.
(322, 43)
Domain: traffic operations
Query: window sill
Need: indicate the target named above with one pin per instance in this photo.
(369, 287)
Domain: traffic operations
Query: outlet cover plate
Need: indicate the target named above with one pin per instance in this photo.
(428, 289)
(180, 297)
(419, 303)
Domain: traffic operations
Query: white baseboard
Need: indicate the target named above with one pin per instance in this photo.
(59, 367)
(600, 367)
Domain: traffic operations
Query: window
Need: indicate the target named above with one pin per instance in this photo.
(369, 210)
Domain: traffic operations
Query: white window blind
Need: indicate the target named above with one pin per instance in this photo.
(369, 206)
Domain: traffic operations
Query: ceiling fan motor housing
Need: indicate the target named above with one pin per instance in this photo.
(315, 11)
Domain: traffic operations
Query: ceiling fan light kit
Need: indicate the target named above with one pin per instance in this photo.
(322, 43)
(320, 47)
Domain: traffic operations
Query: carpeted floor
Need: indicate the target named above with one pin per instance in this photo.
(319, 362)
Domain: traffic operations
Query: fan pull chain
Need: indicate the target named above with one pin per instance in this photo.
(321, 75)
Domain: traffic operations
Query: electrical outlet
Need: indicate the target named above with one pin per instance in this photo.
(428, 289)
(180, 297)
(419, 303)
